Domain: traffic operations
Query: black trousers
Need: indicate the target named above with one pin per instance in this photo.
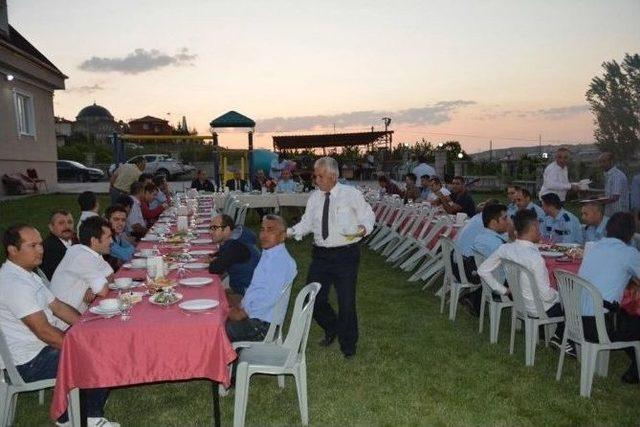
(337, 267)
(628, 330)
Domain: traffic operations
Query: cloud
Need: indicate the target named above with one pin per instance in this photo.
(552, 113)
(563, 112)
(437, 113)
(86, 89)
(139, 61)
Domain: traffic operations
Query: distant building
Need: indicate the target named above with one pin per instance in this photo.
(63, 130)
(27, 83)
(579, 152)
(149, 125)
(96, 122)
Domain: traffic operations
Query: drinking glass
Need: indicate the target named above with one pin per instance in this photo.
(124, 304)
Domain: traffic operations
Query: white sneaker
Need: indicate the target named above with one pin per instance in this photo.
(101, 422)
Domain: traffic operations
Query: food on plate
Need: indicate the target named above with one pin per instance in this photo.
(165, 297)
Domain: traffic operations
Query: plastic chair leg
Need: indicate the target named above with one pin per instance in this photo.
(561, 358)
(281, 381)
(13, 402)
(4, 401)
(483, 303)
(41, 397)
(301, 386)
(495, 312)
(242, 394)
(512, 343)
(453, 301)
(602, 363)
(531, 337)
(587, 369)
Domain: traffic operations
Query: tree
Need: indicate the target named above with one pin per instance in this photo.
(615, 102)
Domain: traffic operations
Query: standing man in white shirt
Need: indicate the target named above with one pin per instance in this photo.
(339, 217)
(83, 273)
(616, 186)
(556, 176)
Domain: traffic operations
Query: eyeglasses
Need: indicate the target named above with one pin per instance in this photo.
(217, 227)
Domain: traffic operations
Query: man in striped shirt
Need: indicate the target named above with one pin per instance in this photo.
(616, 186)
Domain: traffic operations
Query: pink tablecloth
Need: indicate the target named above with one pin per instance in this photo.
(553, 264)
(156, 344)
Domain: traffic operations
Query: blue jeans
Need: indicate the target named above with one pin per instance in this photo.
(45, 366)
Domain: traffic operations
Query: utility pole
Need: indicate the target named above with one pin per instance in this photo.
(490, 150)
(540, 144)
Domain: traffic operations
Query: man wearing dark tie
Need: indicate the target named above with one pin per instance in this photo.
(237, 183)
(60, 238)
(339, 217)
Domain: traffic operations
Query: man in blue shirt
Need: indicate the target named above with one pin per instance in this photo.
(285, 183)
(250, 319)
(474, 226)
(595, 223)
(425, 187)
(609, 265)
(560, 226)
(121, 249)
(523, 201)
(512, 190)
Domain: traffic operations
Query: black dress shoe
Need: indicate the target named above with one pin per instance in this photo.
(327, 340)
(349, 354)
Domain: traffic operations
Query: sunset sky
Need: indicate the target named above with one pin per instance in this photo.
(465, 70)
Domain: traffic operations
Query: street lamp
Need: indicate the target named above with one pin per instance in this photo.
(10, 77)
(460, 155)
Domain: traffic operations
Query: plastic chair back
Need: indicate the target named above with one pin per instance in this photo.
(274, 334)
(449, 247)
(296, 340)
(519, 276)
(9, 364)
(573, 291)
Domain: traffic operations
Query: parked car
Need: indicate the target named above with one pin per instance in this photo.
(69, 170)
(160, 164)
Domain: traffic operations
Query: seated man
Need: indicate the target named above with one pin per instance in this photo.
(60, 238)
(411, 191)
(259, 180)
(609, 265)
(560, 226)
(201, 183)
(237, 183)
(83, 273)
(27, 310)
(523, 201)
(238, 254)
(461, 200)
(524, 251)
(136, 224)
(595, 223)
(250, 319)
(387, 186)
(496, 223)
(512, 189)
(439, 196)
(163, 197)
(121, 250)
(150, 192)
(425, 188)
(285, 183)
(472, 228)
(89, 206)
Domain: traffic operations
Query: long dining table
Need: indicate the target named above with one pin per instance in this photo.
(157, 344)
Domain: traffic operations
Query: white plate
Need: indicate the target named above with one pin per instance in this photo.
(102, 312)
(130, 266)
(196, 265)
(201, 242)
(140, 255)
(152, 299)
(549, 254)
(198, 304)
(196, 281)
(201, 252)
(150, 238)
(568, 245)
(133, 284)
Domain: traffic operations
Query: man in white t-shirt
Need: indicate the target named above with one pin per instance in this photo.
(83, 273)
(27, 322)
(439, 195)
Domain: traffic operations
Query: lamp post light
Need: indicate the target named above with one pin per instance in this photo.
(10, 77)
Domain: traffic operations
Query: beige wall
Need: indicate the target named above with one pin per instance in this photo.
(17, 153)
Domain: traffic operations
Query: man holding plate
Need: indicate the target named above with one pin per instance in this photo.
(338, 216)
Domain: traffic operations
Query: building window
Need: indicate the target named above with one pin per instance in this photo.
(24, 114)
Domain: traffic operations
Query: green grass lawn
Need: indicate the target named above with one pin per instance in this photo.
(413, 367)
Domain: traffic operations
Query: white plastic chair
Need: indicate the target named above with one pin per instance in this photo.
(495, 307)
(594, 357)
(515, 274)
(9, 389)
(241, 214)
(450, 284)
(287, 358)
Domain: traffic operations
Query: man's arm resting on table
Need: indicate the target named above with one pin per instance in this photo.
(38, 324)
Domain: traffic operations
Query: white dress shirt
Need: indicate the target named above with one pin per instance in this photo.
(616, 184)
(22, 293)
(84, 215)
(555, 180)
(527, 254)
(80, 269)
(347, 209)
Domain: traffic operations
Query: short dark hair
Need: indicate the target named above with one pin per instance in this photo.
(514, 186)
(113, 209)
(150, 187)
(526, 193)
(158, 180)
(383, 178)
(459, 178)
(425, 176)
(62, 212)
(552, 199)
(422, 159)
(139, 160)
(491, 212)
(136, 188)
(621, 226)
(278, 218)
(92, 227)
(436, 180)
(411, 176)
(11, 236)
(145, 176)
(523, 219)
(124, 201)
(227, 221)
(87, 200)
